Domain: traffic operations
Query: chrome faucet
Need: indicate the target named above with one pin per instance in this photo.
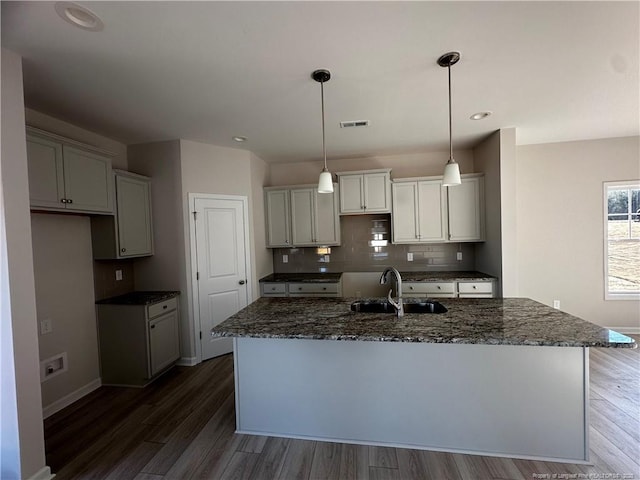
(383, 279)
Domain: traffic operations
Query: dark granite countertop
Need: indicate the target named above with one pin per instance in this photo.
(445, 277)
(492, 321)
(303, 277)
(139, 298)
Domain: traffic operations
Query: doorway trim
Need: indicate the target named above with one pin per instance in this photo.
(195, 298)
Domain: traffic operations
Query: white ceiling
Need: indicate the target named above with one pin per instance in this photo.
(207, 71)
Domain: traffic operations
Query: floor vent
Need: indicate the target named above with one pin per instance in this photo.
(354, 123)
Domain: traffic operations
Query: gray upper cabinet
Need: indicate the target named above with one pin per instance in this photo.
(278, 217)
(366, 191)
(129, 233)
(67, 176)
(300, 216)
(314, 218)
(426, 212)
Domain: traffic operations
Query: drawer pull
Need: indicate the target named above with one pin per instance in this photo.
(324, 288)
(474, 287)
(164, 307)
(410, 288)
(439, 287)
(123, 249)
(153, 326)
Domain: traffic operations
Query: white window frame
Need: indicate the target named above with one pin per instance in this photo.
(607, 294)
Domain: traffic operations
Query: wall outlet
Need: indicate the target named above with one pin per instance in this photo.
(459, 256)
(327, 258)
(53, 366)
(46, 326)
(285, 258)
(556, 304)
(118, 275)
(409, 256)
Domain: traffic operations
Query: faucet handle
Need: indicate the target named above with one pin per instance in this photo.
(391, 300)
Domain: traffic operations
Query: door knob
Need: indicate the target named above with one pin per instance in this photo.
(241, 282)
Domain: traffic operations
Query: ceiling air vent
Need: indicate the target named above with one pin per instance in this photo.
(354, 123)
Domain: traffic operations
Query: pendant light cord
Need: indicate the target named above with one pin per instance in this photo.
(450, 123)
(324, 149)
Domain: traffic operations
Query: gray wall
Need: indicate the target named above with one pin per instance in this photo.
(17, 227)
(560, 230)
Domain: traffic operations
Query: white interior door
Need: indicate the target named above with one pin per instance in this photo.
(222, 265)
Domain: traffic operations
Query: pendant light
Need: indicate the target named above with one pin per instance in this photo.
(325, 183)
(451, 169)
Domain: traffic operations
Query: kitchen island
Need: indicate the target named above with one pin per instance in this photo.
(504, 377)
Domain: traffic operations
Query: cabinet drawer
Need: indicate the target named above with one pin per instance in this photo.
(430, 287)
(475, 287)
(162, 307)
(323, 288)
(274, 288)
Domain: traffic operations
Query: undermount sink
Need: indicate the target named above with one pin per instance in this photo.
(367, 306)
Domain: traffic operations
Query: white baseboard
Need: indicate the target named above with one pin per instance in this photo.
(72, 397)
(43, 474)
(187, 361)
(626, 330)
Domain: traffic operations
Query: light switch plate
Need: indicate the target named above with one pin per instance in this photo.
(459, 256)
(409, 256)
(118, 275)
(285, 258)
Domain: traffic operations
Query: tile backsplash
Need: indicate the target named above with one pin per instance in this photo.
(104, 278)
(366, 247)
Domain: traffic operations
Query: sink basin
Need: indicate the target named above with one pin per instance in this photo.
(366, 306)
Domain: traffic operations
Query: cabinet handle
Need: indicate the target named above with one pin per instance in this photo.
(164, 307)
(474, 287)
(410, 288)
(324, 288)
(123, 249)
(69, 200)
(63, 200)
(439, 287)
(241, 282)
(153, 326)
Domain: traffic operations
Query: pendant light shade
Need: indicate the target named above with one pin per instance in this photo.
(452, 169)
(325, 182)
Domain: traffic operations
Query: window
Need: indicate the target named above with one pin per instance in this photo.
(622, 240)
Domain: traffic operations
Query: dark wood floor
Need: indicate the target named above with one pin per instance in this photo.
(182, 426)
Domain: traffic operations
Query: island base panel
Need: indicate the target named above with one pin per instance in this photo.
(514, 401)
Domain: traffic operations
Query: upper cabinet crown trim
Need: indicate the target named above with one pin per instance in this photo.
(69, 141)
(434, 177)
(361, 172)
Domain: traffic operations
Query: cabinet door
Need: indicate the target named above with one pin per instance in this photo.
(277, 207)
(351, 194)
(466, 207)
(377, 193)
(327, 223)
(134, 216)
(46, 176)
(405, 215)
(164, 341)
(87, 181)
(432, 211)
(303, 231)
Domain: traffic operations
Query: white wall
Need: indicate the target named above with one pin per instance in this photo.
(178, 168)
(402, 165)
(54, 125)
(262, 256)
(489, 253)
(21, 286)
(63, 268)
(166, 269)
(561, 227)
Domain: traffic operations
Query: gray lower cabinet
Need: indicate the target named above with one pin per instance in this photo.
(128, 233)
(137, 342)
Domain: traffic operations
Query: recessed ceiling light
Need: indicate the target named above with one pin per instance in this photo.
(480, 115)
(79, 16)
(240, 139)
